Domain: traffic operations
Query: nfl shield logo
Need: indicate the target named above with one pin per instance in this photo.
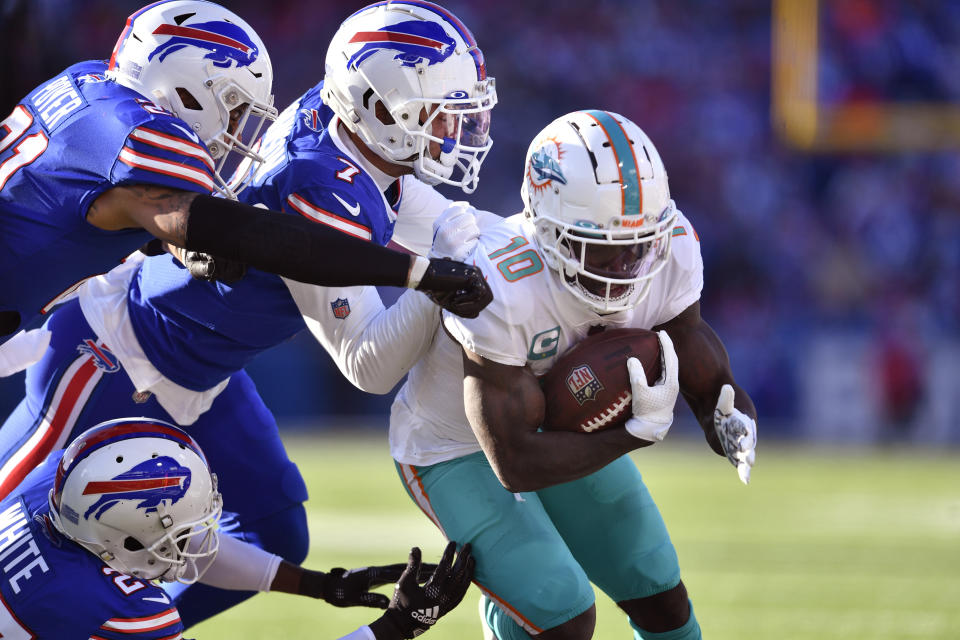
(583, 384)
(341, 308)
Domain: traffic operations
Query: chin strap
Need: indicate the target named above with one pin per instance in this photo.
(433, 172)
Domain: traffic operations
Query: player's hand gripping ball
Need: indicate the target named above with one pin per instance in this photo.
(588, 389)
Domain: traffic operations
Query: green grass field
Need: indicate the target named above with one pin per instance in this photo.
(850, 544)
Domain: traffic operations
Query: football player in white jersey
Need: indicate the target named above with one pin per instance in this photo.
(599, 244)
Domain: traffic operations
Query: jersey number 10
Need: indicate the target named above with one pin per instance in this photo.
(519, 265)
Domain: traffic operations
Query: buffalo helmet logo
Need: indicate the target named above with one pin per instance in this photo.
(416, 41)
(154, 481)
(583, 384)
(227, 43)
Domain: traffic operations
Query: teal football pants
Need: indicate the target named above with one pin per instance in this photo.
(537, 552)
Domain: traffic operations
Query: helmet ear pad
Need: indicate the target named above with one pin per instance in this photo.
(138, 494)
(596, 191)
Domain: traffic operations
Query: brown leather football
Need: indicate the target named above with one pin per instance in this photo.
(588, 389)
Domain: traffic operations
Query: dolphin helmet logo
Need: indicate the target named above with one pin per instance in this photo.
(546, 167)
(227, 43)
(415, 41)
(153, 482)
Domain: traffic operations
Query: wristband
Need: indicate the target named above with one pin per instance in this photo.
(417, 269)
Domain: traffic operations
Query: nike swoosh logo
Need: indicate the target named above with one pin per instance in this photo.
(354, 210)
(163, 599)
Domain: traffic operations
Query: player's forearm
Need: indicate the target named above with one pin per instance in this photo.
(376, 358)
(161, 211)
(704, 367)
(506, 422)
(296, 580)
(239, 565)
(547, 458)
(290, 246)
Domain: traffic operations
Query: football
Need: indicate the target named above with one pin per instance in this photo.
(588, 389)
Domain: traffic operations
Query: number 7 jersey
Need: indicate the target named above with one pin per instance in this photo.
(531, 322)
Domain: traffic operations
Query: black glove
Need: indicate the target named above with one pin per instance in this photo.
(414, 609)
(204, 266)
(351, 588)
(457, 287)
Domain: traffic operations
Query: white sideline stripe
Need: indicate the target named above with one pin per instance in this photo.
(51, 411)
(507, 609)
(328, 218)
(413, 484)
(172, 144)
(135, 159)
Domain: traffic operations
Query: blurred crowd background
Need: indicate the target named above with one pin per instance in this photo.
(833, 277)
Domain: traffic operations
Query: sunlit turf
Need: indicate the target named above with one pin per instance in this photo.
(852, 544)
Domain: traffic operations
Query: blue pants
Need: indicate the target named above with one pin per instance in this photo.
(79, 383)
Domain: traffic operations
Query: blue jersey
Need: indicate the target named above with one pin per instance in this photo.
(54, 588)
(67, 142)
(198, 333)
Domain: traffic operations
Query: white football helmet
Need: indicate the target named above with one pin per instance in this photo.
(204, 64)
(421, 66)
(596, 192)
(138, 493)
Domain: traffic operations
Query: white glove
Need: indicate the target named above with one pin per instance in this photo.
(455, 232)
(737, 432)
(653, 404)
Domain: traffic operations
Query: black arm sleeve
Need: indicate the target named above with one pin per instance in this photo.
(290, 246)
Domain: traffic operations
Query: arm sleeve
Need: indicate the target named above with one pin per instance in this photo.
(373, 346)
(241, 566)
(290, 246)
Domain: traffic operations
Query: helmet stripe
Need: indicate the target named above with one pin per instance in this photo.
(631, 191)
(126, 32)
(454, 21)
(116, 431)
(98, 487)
(200, 34)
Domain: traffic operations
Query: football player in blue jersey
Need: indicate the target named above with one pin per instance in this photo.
(148, 339)
(132, 502)
(107, 154)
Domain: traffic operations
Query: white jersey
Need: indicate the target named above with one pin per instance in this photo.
(531, 322)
